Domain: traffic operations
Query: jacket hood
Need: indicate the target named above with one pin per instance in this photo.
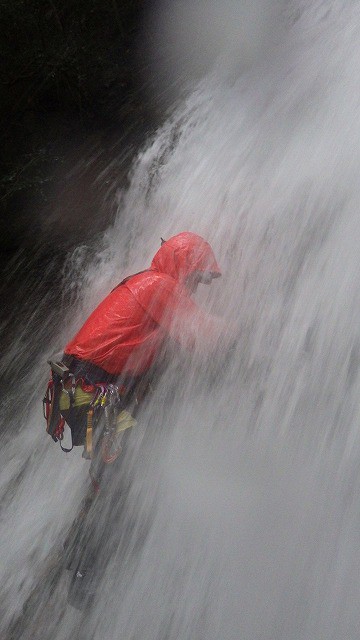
(183, 254)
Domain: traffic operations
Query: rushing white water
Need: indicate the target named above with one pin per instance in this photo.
(242, 516)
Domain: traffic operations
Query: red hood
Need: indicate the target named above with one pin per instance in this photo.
(183, 254)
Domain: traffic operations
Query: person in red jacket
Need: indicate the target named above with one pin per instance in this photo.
(122, 340)
(125, 333)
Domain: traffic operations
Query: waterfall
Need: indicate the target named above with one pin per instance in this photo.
(241, 518)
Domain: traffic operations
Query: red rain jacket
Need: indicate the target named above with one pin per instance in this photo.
(126, 331)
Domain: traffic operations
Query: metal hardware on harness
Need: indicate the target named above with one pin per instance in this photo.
(59, 368)
(71, 392)
(112, 396)
(108, 452)
(89, 429)
(107, 398)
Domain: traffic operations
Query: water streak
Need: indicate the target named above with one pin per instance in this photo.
(241, 518)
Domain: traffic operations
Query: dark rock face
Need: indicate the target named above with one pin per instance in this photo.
(72, 84)
(72, 116)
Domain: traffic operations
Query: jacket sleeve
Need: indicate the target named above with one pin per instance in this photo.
(179, 316)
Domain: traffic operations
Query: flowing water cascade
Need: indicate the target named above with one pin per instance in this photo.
(241, 513)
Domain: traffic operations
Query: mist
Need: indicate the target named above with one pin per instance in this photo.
(238, 512)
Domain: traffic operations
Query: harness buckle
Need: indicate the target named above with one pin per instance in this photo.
(59, 368)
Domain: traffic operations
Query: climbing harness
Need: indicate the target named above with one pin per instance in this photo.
(65, 393)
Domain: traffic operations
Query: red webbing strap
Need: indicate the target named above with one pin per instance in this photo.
(47, 402)
(49, 407)
(50, 404)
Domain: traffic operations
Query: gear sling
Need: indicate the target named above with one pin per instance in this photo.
(80, 404)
